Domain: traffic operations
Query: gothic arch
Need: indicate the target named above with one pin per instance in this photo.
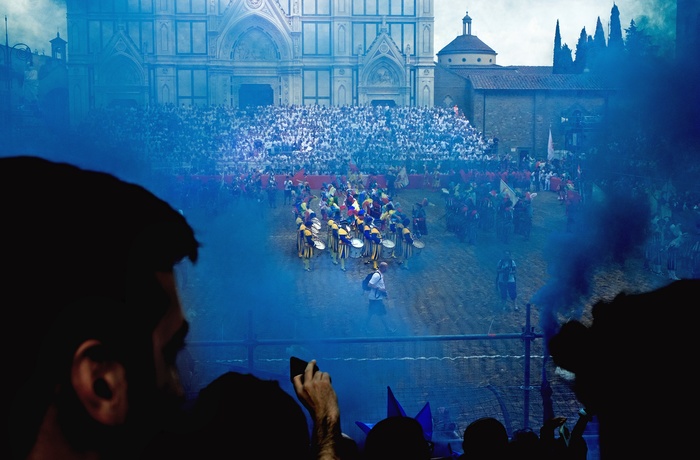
(427, 39)
(164, 32)
(341, 39)
(384, 72)
(235, 32)
(165, 97)
(426, 96)
(342, 95)
(122, 70)
(254, 44)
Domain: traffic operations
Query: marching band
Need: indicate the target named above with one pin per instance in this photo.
(353, 232)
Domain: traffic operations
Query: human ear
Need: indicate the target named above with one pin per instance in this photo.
(100, 383)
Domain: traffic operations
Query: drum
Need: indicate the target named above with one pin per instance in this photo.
(316, 220)
(417, 247)
(316, 224)
(356, 249)
(320, 245)
(314, 231)
(388, 249)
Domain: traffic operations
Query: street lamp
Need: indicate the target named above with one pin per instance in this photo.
(19, 52)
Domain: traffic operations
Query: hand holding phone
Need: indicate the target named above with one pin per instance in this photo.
(298, 366)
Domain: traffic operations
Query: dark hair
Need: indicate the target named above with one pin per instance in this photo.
(485, 437)
(248, 417)
(82, 248)
(397, 437)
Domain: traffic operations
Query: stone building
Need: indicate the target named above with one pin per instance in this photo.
(518, 104)
(250, 52)
(32, 83)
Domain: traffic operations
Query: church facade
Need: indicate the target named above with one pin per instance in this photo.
(249, 52)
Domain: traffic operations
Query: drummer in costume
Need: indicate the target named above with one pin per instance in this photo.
(344, 244)
(366, 239)
(351, 206)
(300, 236)
(375, 243)
(398, 249)
(358, 225)
(309, 215)
(308, 252)
(333, 240)
(334, 210)
(392, 235)
(389, 223)
(407, 243)
(367, 204)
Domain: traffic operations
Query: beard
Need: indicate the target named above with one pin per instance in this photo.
(151, 412)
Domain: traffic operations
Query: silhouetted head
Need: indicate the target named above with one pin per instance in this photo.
(625, 352)
(89, 262)
(485, 438)
(397, 437)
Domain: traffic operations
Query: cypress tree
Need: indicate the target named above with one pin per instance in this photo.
(556, 64)
(615, 43)
(580, 63)
(566, 63)
(596, 47)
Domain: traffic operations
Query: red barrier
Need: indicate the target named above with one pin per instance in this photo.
(415, 181)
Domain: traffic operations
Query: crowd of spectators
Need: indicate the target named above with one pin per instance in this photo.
(220, 140)
(212, 140)
(361, 141)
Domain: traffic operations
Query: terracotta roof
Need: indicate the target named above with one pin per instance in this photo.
(528, 78)
(466, 44)
(559, 82)
(465, 70)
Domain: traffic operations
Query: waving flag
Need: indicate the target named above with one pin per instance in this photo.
(402, 179)
(298, 177)
(505, 188)
(550, 147)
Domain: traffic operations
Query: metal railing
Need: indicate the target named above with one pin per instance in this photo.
(463, 376)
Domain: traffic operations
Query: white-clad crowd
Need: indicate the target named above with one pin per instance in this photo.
(321, 139)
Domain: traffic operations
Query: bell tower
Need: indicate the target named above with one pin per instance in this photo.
(58, 48)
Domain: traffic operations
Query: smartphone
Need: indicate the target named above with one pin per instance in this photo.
(298, 366)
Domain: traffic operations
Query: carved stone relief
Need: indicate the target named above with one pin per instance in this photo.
(383, 76)
(254, 46)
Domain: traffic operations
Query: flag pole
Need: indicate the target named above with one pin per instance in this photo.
(8, 71)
